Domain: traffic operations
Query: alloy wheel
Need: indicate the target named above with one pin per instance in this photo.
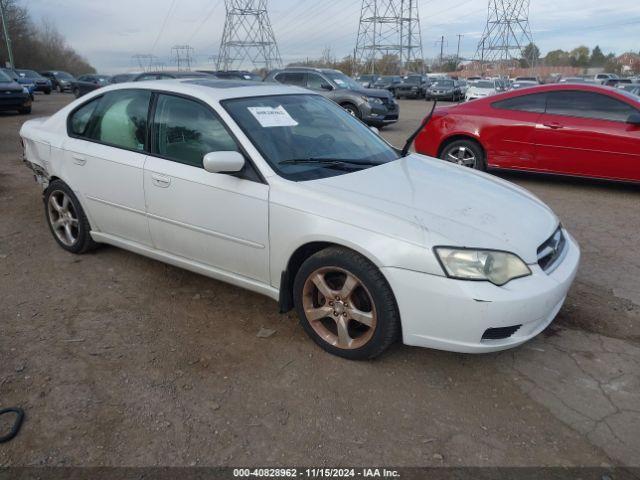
(462, 156)
(339, 308)
(63, 218)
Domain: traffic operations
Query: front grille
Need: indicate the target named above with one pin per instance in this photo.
(551, 250)
(500, 333)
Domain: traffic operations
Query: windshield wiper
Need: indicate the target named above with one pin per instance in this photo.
(331, 163)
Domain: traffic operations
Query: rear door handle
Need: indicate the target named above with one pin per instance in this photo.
(79, 160)
(160, 180)
(553, 125)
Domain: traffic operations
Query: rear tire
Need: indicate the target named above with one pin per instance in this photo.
(59, 89)
(66, 219)
(47, 92)
(346, 305)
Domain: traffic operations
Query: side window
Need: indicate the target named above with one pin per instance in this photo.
(185, 131)
(292, 78)
(121, 119)
(79, 120)
(315, 82)
(525, 103)
(588, 105)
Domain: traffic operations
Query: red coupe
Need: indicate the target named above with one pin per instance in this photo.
(581, 130)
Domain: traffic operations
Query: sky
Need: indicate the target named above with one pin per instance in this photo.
(109, 33)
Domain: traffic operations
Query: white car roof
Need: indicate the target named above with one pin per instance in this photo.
(213, 90)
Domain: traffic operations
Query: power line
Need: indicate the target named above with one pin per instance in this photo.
(164, 24)
(7, 38)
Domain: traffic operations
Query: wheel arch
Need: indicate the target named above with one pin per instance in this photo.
(461, 136)
(295, 261)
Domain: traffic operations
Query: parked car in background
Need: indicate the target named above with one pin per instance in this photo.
(516, 85)
(244, 75)
(60, 81)
(169, 75)
(445, 89)
(388, 82)
(88, 83)
(277, 190)
(581, 130)
(27, 83)
(13, 96)
(535, 80)
(123, 77)
(573, 80)
(374, 107)
(42, 84)
(367, 81)
(464, 87)
(617, 82)
(633, 88)
(473, 79)
(412, 86)
(482, 88)
(603, 77)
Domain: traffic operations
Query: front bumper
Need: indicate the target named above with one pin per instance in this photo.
(15, 102)
(379, 115)
(453, 315)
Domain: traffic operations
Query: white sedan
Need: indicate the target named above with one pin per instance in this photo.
(277, 190)
(482, 89)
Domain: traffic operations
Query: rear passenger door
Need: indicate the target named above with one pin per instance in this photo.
(509, 132)
(299, 79)
(105, 155)
(585, 133)
(213, 219)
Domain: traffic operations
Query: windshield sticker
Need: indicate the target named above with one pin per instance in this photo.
(272, 117)
(339, 81)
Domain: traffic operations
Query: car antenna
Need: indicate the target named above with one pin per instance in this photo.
(407, 146)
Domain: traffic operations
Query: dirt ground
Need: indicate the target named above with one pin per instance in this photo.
(123, 361)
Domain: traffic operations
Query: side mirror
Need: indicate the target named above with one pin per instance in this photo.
(326, 86)
(375, 130)
(634, 119)
(223, 162)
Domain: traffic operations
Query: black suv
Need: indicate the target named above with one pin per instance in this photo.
(412, 86)
(377, 108)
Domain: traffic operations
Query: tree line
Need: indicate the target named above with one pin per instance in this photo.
(38, 46)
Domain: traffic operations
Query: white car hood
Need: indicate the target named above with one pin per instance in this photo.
(445, 203)
(481, 91)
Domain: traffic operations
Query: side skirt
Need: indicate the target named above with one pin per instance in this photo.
(181, 262)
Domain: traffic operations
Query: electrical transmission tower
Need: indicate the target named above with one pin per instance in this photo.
(144, 61)
(389, 27)
(182, 56)
(507, 32)
(248, 37)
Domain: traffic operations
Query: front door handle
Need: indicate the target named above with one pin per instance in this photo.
(160, 180)
(79, 160)
(553, 125)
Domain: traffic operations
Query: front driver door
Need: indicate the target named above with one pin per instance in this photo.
(509, 131)
(216, 220)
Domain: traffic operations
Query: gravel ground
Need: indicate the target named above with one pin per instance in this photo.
(119, 360)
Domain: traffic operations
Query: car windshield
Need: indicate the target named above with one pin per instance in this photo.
(367, 78)
(307, 137)
(4, 77)
(443, 83)
(412, 80)
(484, 84)
(29, 74)
(342, 81)
(63, 75)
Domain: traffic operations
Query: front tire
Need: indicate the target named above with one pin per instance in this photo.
(346, 305)
(466, 153)
(352, 110)
(76, 92)
(66, 218)
(25, 111)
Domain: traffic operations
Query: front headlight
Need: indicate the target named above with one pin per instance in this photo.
(374, 100)
(25, 90)
(496, 267)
